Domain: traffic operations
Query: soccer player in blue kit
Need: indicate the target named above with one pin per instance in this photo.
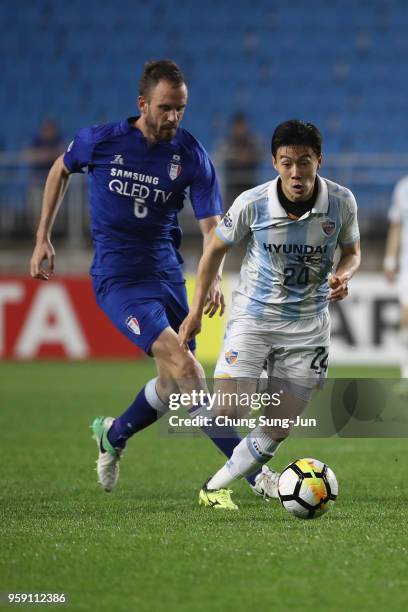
(139, 172)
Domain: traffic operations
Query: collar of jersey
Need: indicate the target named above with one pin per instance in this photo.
(278, 212)
(126, 127)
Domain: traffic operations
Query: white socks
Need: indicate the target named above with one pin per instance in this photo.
(251, 453)
(153, 399)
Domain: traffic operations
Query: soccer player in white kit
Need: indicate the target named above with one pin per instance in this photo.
(396, 259)
(295, 223)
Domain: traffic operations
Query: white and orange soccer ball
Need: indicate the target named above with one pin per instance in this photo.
(307, 488)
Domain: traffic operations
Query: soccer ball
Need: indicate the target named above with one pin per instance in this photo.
(307, 488)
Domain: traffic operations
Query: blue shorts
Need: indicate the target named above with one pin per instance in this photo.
(141, 310)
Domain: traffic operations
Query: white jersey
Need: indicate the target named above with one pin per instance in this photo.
(284, 273)
(398, 213)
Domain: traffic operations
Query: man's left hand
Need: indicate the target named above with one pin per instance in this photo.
(215, 299)
(338, 284)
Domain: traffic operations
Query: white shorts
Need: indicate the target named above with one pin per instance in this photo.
(295, 350)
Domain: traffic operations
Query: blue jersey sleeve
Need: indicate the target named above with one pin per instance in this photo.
(79, 152)
(204, 190)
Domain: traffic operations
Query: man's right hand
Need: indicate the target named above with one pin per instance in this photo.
(43, 251)
(190, 327)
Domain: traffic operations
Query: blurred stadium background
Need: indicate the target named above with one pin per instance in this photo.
(341, 65)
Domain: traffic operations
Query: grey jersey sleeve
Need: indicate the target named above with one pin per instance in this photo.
(349, 232)
(237, 222)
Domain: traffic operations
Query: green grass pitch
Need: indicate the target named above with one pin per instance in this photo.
(148, 546)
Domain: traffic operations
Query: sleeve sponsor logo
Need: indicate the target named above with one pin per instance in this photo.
(227, 220)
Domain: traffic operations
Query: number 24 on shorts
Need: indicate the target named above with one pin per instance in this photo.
(320, 360)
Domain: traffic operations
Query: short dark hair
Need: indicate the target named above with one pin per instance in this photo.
(159, 70)
(296, 133)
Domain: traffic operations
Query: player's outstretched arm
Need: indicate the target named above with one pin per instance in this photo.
(215, 297)
(206, 273)
(55, 187)
(390, 265)
(349, 263)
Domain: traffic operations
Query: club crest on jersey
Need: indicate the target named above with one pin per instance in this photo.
(133, 325)
(328, 226)
(231, 357)
(174, 167)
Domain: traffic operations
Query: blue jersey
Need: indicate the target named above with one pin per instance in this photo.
(136, 191)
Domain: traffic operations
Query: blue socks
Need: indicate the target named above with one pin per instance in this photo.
(138, 416)
(145, 410)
